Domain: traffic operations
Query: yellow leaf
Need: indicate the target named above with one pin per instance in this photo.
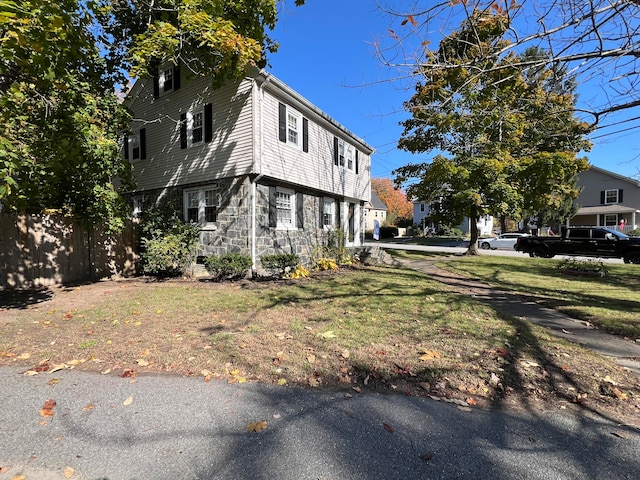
(75, 362)
(53, 381)
(128, 401)
(19, 477)
(68, 472)
(328, 334)
(257, 426)
(60, 366)
(158, 311)
(142, 362)
(311, 359)
(282, 381)
(88, 407)
(429, 355)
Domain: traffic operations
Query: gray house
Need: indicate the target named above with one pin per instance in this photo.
(607, 199)
(374, 210)
(260, 168)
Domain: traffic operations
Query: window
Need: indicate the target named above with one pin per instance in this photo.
(138, 206)
(201, 205)
(285, 201)
(293, 128)
(611, 196)
(136, 145)
(345, 155)
(166, 80)
(611, 220)
(328, 213)
(422, 207)
(195, 127)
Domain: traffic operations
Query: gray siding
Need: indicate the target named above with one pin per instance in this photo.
(230, 153)
(594, 181)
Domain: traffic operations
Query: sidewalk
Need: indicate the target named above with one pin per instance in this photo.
(626, 353)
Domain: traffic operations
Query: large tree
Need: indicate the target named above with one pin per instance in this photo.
(496, 136)
(398, 207)
(60, 65)
(59, 143)
(598, 39)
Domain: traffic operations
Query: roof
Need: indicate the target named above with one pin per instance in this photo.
(605, 209)
(376, 203)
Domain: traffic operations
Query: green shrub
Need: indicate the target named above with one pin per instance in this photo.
(583, 267)
(280, 263)
(634, 233)
(168, 244)
(228, 267)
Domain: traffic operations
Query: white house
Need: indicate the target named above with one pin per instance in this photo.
(422, 212)
(258, 166)
(374, 210)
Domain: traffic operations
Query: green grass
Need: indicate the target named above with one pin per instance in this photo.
(611, 302)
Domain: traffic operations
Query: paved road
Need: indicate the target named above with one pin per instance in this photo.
(461, 247)
(185, 428)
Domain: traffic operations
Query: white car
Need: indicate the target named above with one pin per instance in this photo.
(506, 240)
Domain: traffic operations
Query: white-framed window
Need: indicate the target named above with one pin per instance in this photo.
(134, 146)
(346, 155)
(286, 208)
(165, 80)
(200, 205)
(294, 128)
(138, 205)
(329, 213)
(195, 126)
(422, 207)
(611, 196)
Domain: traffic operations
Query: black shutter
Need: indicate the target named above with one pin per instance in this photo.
(282, 122)
(305, 135)
(176, 77)
(335, 150)
(337, 221)
(208, 122)
(156, 86)
(620, 196)
(602, 197)
(299, 210)
(143, 143)
(357, 160)
(601, 220)
(183, 130)
(321, 212)
(273, 208)
(126, 147)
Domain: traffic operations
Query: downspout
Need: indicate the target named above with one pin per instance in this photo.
(254, 182)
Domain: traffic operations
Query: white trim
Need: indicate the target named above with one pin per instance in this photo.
(285, 200)
(133, 142)
(293, 121)
(165, 74)
(606, 195)
(195, 114)
(196, 198)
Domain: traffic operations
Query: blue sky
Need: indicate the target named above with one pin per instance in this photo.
(326, 54)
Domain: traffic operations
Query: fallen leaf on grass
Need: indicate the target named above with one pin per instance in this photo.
(388, 427)
(282, 381)
(68, 472)
(471, 401)
(429, 355)
(327, 334)
(128, 373)
(257, 426)
(142, 362)
(619, 394)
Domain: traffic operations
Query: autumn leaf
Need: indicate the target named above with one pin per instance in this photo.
(128, 373)
(68, 472)
(47, 408)
(142, 362)
(471, 401)
(257, 426)
(429, 355)
(88, 407)
(128, 401)
(388, 427)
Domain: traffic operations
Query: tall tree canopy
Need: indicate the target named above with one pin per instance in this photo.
(59, 142)
(598, 39)
(505, 141)
(60, 64)
(398, 207)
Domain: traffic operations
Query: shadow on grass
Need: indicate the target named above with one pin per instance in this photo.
(21, 299)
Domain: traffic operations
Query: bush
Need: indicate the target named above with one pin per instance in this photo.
(388, 232)
(326, 264)
(279, 263)
(634, 233)
(589, 267)
(168, 244)
(227, 267)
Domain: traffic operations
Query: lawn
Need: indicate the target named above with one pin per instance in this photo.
(382, 329)
(611, 302)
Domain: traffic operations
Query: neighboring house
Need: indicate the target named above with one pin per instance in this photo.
(260, 168)
(422, 212)
(374, 210)
(607, 199)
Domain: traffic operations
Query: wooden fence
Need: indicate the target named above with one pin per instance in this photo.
(42, 250)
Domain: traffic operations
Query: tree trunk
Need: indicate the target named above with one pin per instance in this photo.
(503, 224)
(473, 231)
